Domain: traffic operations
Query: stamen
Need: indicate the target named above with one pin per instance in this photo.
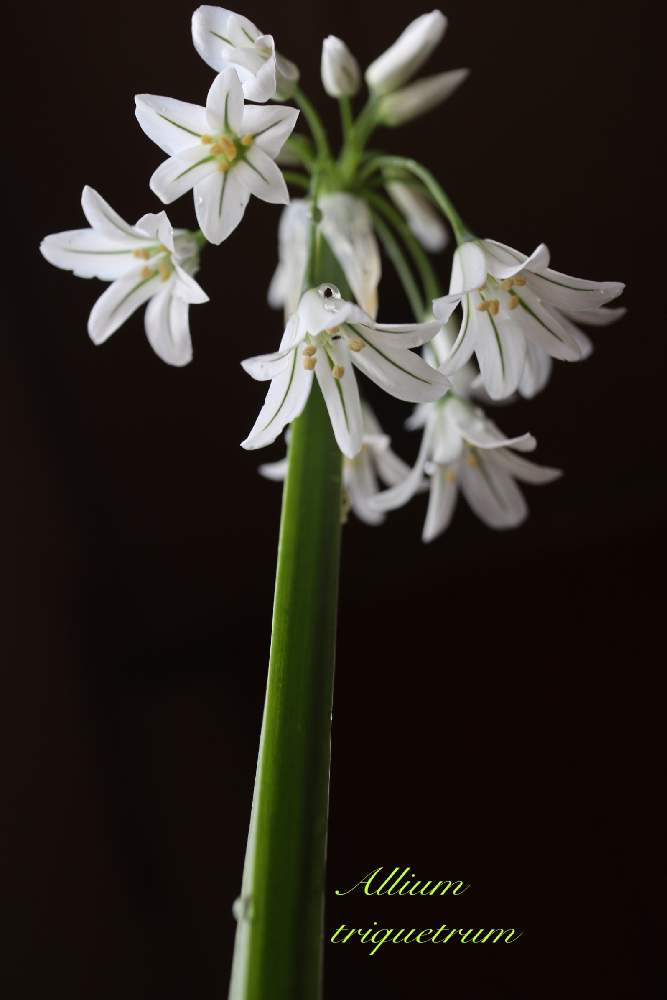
(520, 280)
(223, 166)
(472, 460)
(338, 371)
(450, 476)
(141, 254)
(310, 350)
(247, 139)
(216, 149)
(207, 139)
(147, 272)
(309, 363)
(484, 305)
(333, 330)
(506, 284)
(494, 307)
(356, 344)
(514, 301)
(228, 147)
(164, 267)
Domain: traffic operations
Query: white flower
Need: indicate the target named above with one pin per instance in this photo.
(224, 39)
(422, 217)
(419, 97)
(347, 226)
(461, 447)
(225, 152)
(326, 337)
(341, 76)
(146, 263)
(509, 301)
(375, 463)
(409, 52)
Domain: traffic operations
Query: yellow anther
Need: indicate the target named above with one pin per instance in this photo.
(472, 460)
(164, 267)
(309, 363)
(514, 301)
(228, 147)
(356, 344)
(333, 329)
(207, 139)
(337, 371)
(223, 166)
(484, 306)
(309, 350)
(494, 307)
(216, 149)
(247, 139)
(147, 272)
(520, 280)
(506, 284)
(141, 254)
(450, 476)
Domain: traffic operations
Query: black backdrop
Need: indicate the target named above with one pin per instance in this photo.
(493, 702)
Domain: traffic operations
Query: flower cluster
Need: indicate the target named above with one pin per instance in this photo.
(493, 336)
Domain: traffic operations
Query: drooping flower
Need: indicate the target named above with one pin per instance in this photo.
(374, 464)
(148, 263)
(347, 226)
(409, 52)
(420, 97)
(327, 337)
(462, 448)
(510, 300)
(225, 152)
(420, 214)
(227, 40)
(341, 76)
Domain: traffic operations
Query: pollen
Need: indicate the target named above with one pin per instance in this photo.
(514, 301)
(147, 272)
(494, 307)
(520, 280)
(309, 351)
(309, 363)
(484, 306)
(356, 344)
(338, 371)
(333, 330)
(216, 149)
(247, 139)
(141, 254)
(506, 284)
(207, 139)
(228, 147)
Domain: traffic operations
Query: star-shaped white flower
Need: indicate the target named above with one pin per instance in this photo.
(224, 152)
(327, 337)
(347, 227)
(227, 40)
(376, 463)
(462, 448)
(146, 263)
(509, 301)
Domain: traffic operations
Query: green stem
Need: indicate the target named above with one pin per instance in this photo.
(432, 289)
(345, 106)
(401, 265)
(440, 196)
(314, 123)
(291, 177)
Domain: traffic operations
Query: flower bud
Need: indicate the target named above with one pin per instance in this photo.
(422, 217)
(408, 53)
(423, 95)
(340, 70)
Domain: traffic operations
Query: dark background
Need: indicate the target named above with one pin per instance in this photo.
(493, 717)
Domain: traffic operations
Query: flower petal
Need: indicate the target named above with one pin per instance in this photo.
(361, 485)
(179, 174)
(118, 303)
(465, 343)
(186, 288)
(603, 316)
(401, 373)
(87, 254)
(173, 125)
(524, 470)
(224, 103)
(108, 223)
(505, 262)
(401, 335)
(341, 396)
(267, 366)
(167, 328)
(536, 371)
(391, 469)
(269, 126)
(501, 351)
(399, 494)
(284, 402)
(441, 502)
(277, 471)
(543, 326)
(260, 176)
(220, 201)
(347, 227)
(476, 428)
(492, 493)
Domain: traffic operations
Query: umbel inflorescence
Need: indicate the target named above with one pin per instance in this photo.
(492, 337)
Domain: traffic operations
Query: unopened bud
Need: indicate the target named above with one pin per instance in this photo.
(340, 70)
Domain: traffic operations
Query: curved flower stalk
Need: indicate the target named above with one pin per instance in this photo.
(462, 449)
(224, 152)
(347, 226)
(510, 300)
(325, 338)
(375, 463)
(148, 263)
(227, 40)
